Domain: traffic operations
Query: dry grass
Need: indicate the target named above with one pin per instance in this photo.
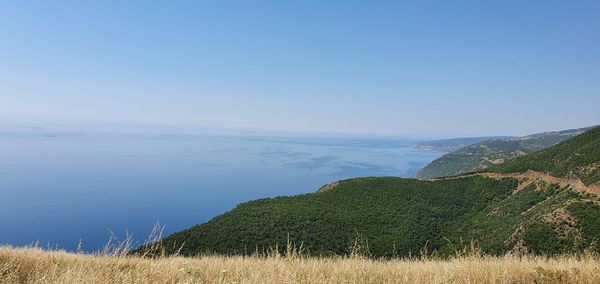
(34, 265)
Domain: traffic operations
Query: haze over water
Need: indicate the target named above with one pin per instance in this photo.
(60, 187)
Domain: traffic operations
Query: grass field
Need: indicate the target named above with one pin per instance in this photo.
(34, 265)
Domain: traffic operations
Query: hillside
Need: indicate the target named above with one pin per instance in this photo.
(401, 217)
(489, 153)
(576, 158)
(451, 145)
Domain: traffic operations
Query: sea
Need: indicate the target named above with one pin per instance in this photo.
(74, 189)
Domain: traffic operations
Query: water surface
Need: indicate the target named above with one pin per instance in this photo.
(58, 188)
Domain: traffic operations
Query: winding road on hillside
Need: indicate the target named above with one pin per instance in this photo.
(530, 176)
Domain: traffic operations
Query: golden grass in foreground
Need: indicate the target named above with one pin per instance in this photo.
(33, 265)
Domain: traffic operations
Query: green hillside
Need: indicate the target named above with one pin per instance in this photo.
(577, 158)
(489, 153)
(451, 145)
(401, 217)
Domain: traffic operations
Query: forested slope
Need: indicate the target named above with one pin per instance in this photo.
(577, 158)
(388, 216)
(493, 152)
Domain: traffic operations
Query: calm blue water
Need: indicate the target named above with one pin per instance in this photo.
(60, 188)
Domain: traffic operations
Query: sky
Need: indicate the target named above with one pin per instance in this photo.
(444, 68)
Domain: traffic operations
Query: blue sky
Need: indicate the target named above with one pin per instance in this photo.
(444, 68)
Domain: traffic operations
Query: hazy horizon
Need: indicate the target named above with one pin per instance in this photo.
(116, 128)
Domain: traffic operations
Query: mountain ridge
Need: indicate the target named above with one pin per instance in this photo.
(453, 144)
(486, 154)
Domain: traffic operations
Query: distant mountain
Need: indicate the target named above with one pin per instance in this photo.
(534, 204)
(451, 145)
(488, 153)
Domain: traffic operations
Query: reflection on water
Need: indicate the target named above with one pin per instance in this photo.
(60, 188)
